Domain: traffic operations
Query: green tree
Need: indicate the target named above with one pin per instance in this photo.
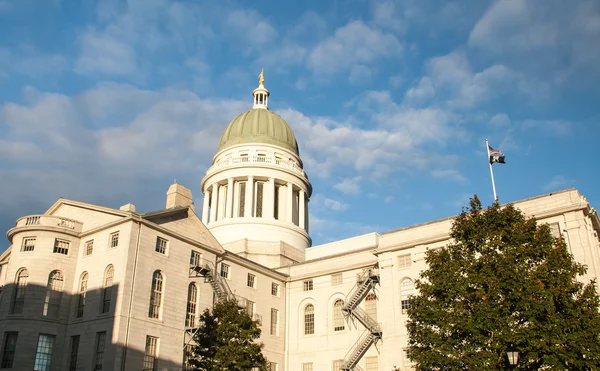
(226, 340)
(503, 282)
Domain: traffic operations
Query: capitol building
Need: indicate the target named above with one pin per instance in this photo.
(88, 287)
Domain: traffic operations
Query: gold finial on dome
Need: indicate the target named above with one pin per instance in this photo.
(261, 77)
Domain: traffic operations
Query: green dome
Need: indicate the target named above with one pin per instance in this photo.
(259, 126)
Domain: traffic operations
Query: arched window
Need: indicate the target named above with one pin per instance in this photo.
(309, 319)
(338, 315)
(156, 295)
(406, 288)
(190, 317)
(19, 296)
(371, 305)
(83, 281)
(53, 294)
(109, 274)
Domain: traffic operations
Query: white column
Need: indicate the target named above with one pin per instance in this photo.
(301, 210)
(290, 203)
(249, 197)
(270, 201)
(229, 202)
(213, 202)
(205, 206)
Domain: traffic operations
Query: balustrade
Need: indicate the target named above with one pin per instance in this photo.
(49, 221)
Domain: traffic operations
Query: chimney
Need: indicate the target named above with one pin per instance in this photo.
(128, 207)
(179, 195)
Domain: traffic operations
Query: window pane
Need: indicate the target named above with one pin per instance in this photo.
(107, 289)
(274, 321)
(74, 352)
(338, 316)
(156, 295)
(8, 352)
(19, 295)
(150, 354)
(28, 244)
(53, 295)
(309, 319)
(190, 318)
(259, 199)
(242, 199)
(82, 293)
(99, 355)
(43, 355)
(161, 245)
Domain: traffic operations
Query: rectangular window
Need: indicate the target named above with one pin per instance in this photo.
(555, 230)
(9, 348)
(150, 354)
(251, 280)
(74, 352)
(114, 239)
(337, 365)
(272, 366)
(274, 289)
(195, 258)
(276, 203)
(224, 270)
(404, 305)
(61, 247)
(274, 321)
(241, 199)
(258, 199)
(99, 354)
(404, 261)
(28, 244)
(336, 279)
(307, 366)
(308, 285)
(89, 248)
(161, 245)
(43, 355)
(371, 364)
(250, 308)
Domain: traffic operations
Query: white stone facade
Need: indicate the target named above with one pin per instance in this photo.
(123, 282)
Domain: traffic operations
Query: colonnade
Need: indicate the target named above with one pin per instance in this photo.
(255, 197)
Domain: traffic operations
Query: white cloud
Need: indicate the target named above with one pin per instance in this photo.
(449, 174)
(250, 27)
(105, 54)
(500, 120)
(349, 186)
(552, 39)
(335, 205)
(31, 62)
(558, 182)
(171, 132)
(353, 44)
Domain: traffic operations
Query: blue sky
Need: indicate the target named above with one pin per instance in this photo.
(107, 102)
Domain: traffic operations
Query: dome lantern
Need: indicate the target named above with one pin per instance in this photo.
(261, 94)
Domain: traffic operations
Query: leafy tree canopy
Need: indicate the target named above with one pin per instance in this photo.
(226, 341)
(503, 282)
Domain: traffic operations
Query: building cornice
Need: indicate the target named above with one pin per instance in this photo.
(228, 256)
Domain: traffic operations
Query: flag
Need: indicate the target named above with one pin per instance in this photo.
(496, 155)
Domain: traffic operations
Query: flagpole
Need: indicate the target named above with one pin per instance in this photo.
(487, 148)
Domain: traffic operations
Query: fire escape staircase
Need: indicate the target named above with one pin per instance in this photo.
(206, 269)
(365, 283)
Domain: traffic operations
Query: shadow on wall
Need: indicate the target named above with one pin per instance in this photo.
(44, 330)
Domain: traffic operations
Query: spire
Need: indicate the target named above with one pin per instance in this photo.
(261, 94)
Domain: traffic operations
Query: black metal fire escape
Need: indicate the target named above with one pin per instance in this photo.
(365, 283)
